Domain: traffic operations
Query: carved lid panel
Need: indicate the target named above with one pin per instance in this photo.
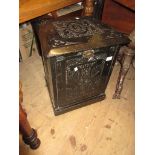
(76, 34)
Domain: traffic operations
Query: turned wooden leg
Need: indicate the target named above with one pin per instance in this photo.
(29, 135)
(125, 64)
(88, 7)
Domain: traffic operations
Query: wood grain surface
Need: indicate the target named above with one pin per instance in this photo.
(29, 9)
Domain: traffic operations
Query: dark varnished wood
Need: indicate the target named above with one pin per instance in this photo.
(29, 135)
(98, 9)
(119, 16)
(127, 3)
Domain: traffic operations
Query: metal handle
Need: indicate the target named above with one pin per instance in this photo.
(89, 54)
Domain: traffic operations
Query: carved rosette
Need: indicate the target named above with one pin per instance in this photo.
(76, 28)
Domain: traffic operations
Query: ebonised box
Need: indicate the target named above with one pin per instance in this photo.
(78, 57)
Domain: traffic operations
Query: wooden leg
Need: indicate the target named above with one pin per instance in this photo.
(125, 64)
(88, 7)
(29, 135)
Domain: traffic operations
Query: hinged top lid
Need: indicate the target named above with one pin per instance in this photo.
(77, 34)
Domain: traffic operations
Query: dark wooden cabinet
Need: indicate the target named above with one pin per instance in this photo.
(78, 56)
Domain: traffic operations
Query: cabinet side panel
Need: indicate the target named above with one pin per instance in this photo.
(51, 81)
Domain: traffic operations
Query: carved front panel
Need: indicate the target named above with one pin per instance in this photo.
(79, 78)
